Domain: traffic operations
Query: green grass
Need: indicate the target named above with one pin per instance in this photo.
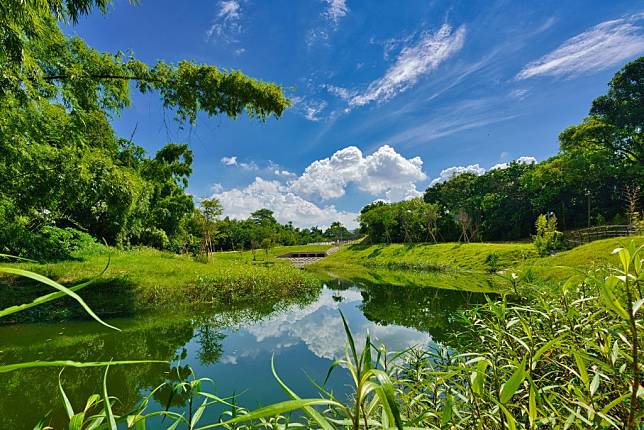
(145, 278)
(459, 266)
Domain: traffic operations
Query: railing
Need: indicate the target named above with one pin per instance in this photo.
(590, 234)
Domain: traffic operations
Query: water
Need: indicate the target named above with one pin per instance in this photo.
(234, 349)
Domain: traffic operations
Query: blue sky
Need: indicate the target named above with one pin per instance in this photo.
(389, 96)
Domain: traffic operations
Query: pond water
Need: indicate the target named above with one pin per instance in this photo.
(232, 348)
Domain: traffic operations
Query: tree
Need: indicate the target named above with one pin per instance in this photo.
(58, 151)
(211, 210)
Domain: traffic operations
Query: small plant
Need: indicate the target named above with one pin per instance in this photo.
(492, 262)
(548, 239)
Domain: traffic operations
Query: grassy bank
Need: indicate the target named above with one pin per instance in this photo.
(460, 266)
(141, 279)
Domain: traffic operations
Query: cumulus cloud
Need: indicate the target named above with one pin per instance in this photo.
(383, 173)
(451, 172)
(476, 169)
(520, 160)
(412, 63)
(608, 43)
(287, 206)
(227, 22)
(335, 9)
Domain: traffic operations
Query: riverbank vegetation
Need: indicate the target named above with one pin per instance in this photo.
(480, 266)
(145, 279)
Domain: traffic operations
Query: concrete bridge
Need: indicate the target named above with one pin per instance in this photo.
(302, 258)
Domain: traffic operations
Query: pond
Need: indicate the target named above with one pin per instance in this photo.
(232, 348)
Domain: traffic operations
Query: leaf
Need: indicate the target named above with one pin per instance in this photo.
(272, 410)
(594, 384)
(478, 376)
(446, 413)
(513, 384)
(106, 403)
(352, 344)
(68, 363)
(56, 285)
(609, 298)
(387, 397)
(68, 405)
(197, 416)
(315, 415)
(532, 405)
(581, 365)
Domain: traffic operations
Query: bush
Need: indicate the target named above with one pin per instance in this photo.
(548, 239)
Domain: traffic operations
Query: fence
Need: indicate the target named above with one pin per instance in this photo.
(590, 234)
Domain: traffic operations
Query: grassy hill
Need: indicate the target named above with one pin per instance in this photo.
(452, 265)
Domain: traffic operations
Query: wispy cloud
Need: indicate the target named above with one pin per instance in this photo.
(413, 62)
(603, 45)
(232, 161)
(227, 23)
(311, 109)
(336, 9)
(229, 161)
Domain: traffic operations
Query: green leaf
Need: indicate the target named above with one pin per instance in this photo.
(581, 365)
(513, 384)
(315, 415)
(609, 298)
(68, 405)
(446, 413)
(273, 410)
(594, 384)
(54, 284)
(106, 403)
(68, 363)
(478, 376)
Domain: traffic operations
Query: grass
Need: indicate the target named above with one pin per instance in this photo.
(459, 266)
(145, 278)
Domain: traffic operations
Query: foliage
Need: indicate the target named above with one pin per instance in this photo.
(407, 221)
(547, 239)
(61, 163)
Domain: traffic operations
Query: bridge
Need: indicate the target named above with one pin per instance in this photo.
(302, 258)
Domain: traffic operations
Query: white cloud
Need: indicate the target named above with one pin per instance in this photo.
(451, 172)
(476, 169)
(336, 9)
(344, 93)
(287, 206)
(313, 109)
(383, 173)
(520, 160)
(603, 45)
(226, 24)
(519, 93)
(232, 161)
(412, 63)
(229, 161)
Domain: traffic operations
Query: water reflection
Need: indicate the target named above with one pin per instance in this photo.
(234, 348)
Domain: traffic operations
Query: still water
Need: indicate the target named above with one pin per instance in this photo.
(233, 348)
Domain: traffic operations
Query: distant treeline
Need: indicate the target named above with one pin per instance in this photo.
(593, 180)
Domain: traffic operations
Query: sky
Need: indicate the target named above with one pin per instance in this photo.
(389, 97)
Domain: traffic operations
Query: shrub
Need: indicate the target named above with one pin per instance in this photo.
(548, 239)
